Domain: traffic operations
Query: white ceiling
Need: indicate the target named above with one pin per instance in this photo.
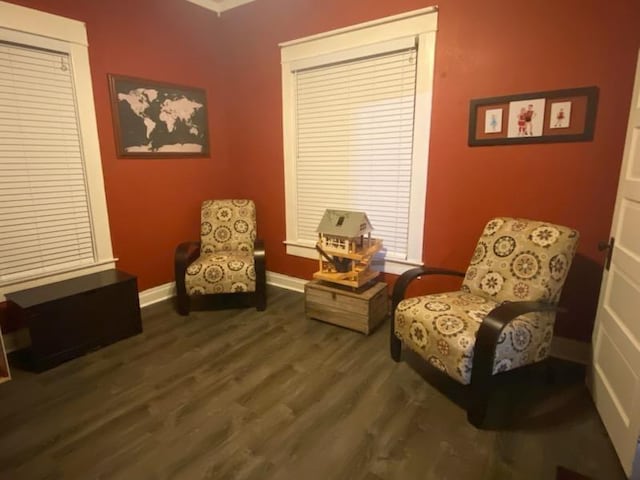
(219, 6)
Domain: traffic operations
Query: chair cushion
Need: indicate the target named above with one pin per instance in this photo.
(221, 273)
(227, 226)
(518, 259)
(442, 329)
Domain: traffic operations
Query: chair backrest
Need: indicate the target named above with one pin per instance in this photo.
(227, 225)
(517, 259)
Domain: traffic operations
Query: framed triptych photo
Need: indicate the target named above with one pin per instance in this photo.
(541, 117)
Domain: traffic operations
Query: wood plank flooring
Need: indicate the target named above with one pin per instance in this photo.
(240, 394)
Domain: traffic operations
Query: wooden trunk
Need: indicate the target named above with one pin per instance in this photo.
(70, 318)
(358, 310)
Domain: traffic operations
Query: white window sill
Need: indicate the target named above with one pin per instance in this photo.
(386, 265)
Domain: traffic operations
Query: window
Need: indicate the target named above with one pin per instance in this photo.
(356, 110)
(53, 218)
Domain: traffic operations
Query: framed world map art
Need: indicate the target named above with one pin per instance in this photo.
(153, 119)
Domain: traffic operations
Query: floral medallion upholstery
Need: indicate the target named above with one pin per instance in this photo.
(226, 262)
(519, 259)
(514, 260)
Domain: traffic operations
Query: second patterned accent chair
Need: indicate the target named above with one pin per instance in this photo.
(227, 260)
(503, 315)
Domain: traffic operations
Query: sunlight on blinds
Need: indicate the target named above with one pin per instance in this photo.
(354, 143)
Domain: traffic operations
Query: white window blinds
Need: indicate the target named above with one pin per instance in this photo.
(354, 143)
(45, 224)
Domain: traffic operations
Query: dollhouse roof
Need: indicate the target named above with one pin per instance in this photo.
(342, 223)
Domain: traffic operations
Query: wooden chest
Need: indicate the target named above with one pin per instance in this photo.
(69, 318)
(358, 310)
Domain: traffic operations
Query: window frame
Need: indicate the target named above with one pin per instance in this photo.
(336, 45)
(43, 30)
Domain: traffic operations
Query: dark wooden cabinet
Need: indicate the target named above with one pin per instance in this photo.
(5, 374)
(69, 318)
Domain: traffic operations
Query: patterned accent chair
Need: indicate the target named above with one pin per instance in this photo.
(227, 260)
(503, 315)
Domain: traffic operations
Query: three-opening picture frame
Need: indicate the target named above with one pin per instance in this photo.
(541, 117)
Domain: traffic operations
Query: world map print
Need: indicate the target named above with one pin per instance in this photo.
(159, 119)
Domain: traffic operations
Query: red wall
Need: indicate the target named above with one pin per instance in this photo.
(489, 48)
(483, 49)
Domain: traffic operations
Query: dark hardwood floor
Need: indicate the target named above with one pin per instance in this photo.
(240, 394)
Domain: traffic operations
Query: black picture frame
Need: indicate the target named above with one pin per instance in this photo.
(154, 119)
(583, 100)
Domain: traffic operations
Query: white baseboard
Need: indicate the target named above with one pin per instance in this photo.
(285, 281)
(168, 290)
(157, 294)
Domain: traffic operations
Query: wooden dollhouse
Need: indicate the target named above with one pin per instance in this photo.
(346, 248)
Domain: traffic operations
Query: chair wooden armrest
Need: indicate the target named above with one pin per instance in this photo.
(259, 258)
(186, 253)
(485, 350)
